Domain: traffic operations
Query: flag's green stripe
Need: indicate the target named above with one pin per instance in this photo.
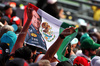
(65, 42)
(65, 25)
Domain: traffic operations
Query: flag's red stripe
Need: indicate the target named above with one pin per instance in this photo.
(25, 12)
(33, 6)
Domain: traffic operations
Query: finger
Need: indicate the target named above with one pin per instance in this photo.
(75, 27)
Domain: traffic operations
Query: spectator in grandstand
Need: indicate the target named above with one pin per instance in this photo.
(41, 3)
(24, 53)
(7, 42)
(96, 10)
(70, 54)
(97, 15)
(74, 43)
(94, 34)
(7, 28)
(88, 47)
(8, 11)
(95, 61)
(80, 61)
(51, 8)
(10, 38)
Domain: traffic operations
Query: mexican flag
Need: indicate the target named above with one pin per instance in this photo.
(50, 29)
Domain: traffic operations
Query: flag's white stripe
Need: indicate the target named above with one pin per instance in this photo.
(49, 17)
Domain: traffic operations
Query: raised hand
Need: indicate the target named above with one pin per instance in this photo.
(29, 12)
(68, 31)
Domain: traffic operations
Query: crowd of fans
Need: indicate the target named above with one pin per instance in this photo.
(83, 50)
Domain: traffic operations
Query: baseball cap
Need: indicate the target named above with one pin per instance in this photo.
(7, 7)
(17, 62)
(15, 20)
(89, 43)
(15, 27)
(95, 61)
(84, 36)
(74, 41)
(80, 61)
(51, 1)
(82, 22)
(10, 38)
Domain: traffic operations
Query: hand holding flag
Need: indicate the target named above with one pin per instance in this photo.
(68, 31)
(29, 12)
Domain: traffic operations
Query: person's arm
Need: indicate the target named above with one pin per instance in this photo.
(22, 35)
(54, 48)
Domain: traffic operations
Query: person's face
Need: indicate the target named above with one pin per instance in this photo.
(36, 21)
(9, 11)
(92, 52)
(74, 46)
(66, 51)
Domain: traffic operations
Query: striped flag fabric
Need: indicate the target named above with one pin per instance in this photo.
(50, 28)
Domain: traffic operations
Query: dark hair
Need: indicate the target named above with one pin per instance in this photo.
(84, 28)
(2, 20)
(83, 50)
(52, 10)
(7, 7)
(80, 30)
(32, 48)
(41, 3)
(19, 29)
(64, 63)
(23, 52)
(69, 50)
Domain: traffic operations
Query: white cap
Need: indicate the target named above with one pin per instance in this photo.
(74, 41)
(82, 22)
(95, 61)
(79, 53)
(51, 1)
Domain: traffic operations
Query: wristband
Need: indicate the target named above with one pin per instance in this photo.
(61, 36)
